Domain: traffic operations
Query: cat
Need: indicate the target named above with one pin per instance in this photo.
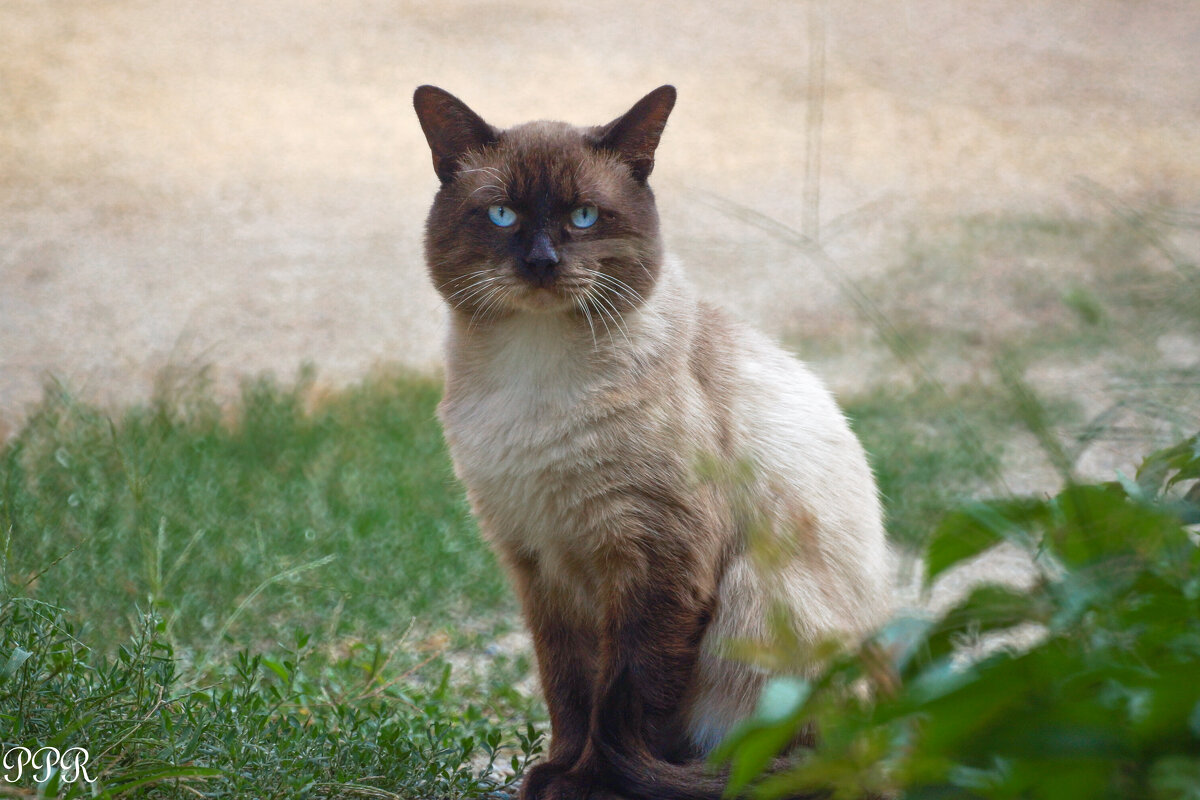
(622, 444)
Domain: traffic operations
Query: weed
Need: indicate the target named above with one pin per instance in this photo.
(289, 724)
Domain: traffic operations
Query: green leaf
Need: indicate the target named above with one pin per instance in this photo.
(280, 671)
(937, 680)
(976, 527)
(756, 745)
(1175, 778)
(18, 657)
(1182, 459)
(752, 744)
(987, 609)
(1095, 523)
(964, 534)
(781, 698)
(139, 779)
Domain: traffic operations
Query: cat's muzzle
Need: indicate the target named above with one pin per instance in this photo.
(540, 265)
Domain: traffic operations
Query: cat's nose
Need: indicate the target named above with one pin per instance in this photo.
(541, 260)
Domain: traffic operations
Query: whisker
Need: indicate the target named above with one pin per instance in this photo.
(603, 316)
(499, 189)
(629, 288)
(474, 286)
(493, 302)
(582, 305)
(500, 194)
(470, 275)
(476, 279)
(623, 289)
(607, 309)
(600, 274)
(473, 291)
(483, 291)
(643, 266)
(495, 173)
(609, 284)
(481, 310)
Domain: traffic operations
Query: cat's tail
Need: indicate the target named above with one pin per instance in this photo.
(637, 773)
(640, 775)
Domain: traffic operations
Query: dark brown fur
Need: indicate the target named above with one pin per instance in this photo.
(543, 170)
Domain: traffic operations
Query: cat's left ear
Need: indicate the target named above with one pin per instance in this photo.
(452, 129)
(634, 136)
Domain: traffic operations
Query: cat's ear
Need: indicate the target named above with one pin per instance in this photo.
(634, 136)
(451, 128)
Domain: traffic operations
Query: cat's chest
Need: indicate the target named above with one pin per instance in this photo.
(513, 434)
(521, 429)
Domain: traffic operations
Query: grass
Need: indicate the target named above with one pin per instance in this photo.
(263, 598)
(289, 723)
(290, 508)
(931, 449)
(259, 661)
(977, 311)
(1044, 285)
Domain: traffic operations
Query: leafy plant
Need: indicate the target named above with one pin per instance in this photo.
(285, 725)
(1082, 686)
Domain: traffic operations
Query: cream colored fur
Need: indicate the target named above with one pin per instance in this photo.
(542, 414)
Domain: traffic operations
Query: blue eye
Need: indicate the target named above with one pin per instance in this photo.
(585, 216)
(502, 216)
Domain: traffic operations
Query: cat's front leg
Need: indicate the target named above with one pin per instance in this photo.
(565, 650)
(565, 673)
(657, 613)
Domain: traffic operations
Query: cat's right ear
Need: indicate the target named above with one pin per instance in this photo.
(634, 136)
(451, 129)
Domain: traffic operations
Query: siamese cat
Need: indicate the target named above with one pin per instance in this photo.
(592, 405)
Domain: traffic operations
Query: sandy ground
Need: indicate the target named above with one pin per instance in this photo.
(244, 183)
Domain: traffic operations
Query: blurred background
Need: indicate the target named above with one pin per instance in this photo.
(243, 184)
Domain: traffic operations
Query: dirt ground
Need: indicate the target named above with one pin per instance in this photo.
(244, 183)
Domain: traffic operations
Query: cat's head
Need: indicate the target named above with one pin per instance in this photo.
(542, 217)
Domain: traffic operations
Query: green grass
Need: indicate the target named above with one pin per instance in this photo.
(1103, 288)
(290, 509)
(289, 723)
(983, 315)
(305, 556)
(932, 448)
(300, 700)
(261, 598)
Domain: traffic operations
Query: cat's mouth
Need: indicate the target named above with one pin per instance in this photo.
(562, 294)
(490, 295)
(588, 292)
(542, 298)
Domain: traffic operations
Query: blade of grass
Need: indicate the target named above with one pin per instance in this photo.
(242, 606)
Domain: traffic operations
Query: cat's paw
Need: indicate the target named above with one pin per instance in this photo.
(539, 778)
(552, 781)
